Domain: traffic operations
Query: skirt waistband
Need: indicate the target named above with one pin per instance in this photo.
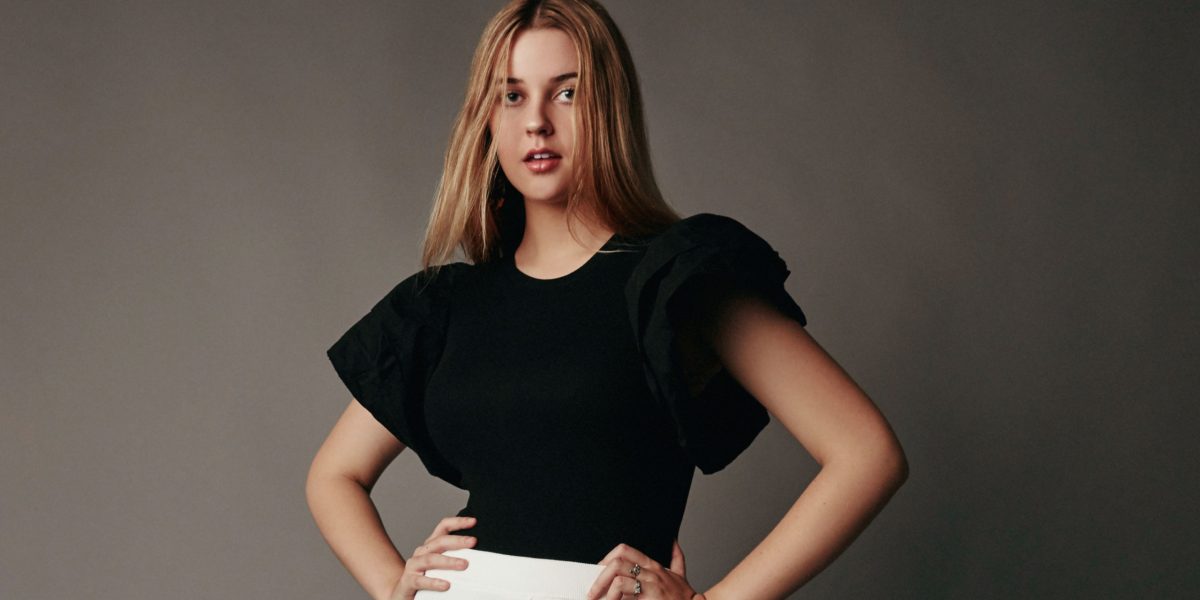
(510, 576)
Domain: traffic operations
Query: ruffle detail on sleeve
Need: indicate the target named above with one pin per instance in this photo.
(385, 359)
(711, 254)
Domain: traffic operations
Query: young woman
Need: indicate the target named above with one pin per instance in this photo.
(594, 351)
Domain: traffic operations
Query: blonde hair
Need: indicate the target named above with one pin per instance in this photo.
(613, 181)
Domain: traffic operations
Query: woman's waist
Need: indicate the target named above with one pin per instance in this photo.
(573, 536)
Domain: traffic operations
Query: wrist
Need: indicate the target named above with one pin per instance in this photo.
(390, 591)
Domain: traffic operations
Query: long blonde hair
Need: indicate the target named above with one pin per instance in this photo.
(475, 206)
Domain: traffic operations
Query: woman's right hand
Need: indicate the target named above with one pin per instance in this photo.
(429, 556)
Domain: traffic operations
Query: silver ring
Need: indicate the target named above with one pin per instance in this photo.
(635, 570)
(637, 587)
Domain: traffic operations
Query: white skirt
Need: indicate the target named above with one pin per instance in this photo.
(495, 576)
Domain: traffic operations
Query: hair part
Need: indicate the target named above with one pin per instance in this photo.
(477, 210)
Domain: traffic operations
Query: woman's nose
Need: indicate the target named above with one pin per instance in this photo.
(540, 128)
(538, 123)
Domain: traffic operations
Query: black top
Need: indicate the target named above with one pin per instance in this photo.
(561, 404)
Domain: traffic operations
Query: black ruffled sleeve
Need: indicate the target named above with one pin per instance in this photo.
(692, 263)
(386, 357)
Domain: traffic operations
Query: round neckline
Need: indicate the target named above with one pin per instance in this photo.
(510, 264)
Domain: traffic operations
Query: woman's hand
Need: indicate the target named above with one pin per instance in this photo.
(429, 556)
(616, 581)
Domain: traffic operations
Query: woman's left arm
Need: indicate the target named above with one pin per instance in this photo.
(862, 463)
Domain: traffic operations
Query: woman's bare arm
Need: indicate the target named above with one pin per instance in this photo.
(862, 463)
(338, 489)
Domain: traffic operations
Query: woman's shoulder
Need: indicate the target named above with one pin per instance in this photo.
(698, 226)
(703, 226)
(421, 290)
(701, 230)
(707, 243)
(710, 230)
(418, 300)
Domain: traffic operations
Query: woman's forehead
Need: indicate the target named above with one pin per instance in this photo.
(541, 56)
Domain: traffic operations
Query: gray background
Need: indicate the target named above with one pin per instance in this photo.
(989, 210)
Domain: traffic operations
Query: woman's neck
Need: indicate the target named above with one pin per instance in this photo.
(547, 245)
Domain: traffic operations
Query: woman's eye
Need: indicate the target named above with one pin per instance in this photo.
(513, 97)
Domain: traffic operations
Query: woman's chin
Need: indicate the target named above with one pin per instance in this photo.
(544, 198)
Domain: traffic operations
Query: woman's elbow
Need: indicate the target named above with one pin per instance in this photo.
(879, 458)
(892, 462)
(899, 466)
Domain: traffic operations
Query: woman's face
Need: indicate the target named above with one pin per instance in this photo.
(535, 112)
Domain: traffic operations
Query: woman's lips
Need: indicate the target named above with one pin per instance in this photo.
(542, 165)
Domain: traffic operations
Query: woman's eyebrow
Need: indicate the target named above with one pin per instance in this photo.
(563, 77)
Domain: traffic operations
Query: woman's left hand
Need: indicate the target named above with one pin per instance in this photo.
(617, 582)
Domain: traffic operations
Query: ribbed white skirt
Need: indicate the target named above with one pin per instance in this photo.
(495, 576)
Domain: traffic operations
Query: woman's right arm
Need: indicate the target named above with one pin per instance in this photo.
(338, 489)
